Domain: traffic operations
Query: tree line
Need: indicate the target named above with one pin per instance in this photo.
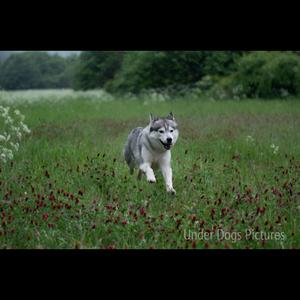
(36, 70)
(263, 74)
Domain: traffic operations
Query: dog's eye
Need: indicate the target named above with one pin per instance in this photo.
(171, 130)
(161, 131)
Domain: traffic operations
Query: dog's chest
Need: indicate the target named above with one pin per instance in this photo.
(157, 159)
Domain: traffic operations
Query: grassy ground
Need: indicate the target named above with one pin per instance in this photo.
(68, 185)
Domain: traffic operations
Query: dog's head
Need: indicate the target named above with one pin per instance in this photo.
(163, 131)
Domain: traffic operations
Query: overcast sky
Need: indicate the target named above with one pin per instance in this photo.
(62, 53)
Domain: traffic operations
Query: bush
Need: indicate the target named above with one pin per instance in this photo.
(96, 68)
(166, 69)
(151, 70)
(13, 128)
(220, 63)
(268, 74)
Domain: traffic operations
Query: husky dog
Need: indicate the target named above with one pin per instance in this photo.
(150, 147)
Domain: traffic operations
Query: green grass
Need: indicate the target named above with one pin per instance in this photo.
(69, 187)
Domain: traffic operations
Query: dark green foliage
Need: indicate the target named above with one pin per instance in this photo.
(36, 70)
(138, 70)
(143, 70)
(269, 74)
(216, 74)
(96, 68)
(159, 69)
(221, 62)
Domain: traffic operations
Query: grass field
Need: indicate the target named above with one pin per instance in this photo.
(236, 171)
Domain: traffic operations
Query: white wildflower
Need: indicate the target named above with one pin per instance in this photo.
(274, 148)
(19, 135)
(15, 146)
(7, 153)
(8, 120)
(10, 154)
(4, 111)
(52, 96)
(25, 128)
(3, 157)
(13, 129)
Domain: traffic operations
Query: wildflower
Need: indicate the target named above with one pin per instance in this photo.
(10, 154)
(249, 139)
(6, 153)
(13, 126)
(15, 146)
(25, 127)
(274, 148)
(142, 211)
(45, 216)
(8, 120)
(4, 111)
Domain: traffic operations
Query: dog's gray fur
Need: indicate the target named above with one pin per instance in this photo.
(150, 146)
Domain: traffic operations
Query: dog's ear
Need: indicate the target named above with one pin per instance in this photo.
(151, 118)
(171, 116)
(151, 121)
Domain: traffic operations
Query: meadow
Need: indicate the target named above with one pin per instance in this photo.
(236, 170)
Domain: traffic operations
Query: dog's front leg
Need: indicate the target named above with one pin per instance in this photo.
(146, 168)
(167, 173)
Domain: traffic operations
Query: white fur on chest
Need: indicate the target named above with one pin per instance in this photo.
(155, 158)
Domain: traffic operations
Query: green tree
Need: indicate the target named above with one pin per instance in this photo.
(36, 70)
(269, 74)
(221, 62)
(96, 68)
(159, 69)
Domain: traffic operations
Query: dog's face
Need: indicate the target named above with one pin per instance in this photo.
(164, 132)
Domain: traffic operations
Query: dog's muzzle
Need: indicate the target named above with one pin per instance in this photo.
(167, 146)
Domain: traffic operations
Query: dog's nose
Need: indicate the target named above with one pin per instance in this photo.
(169, 140)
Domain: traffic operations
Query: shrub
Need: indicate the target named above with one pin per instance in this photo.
(14, 128)
(268, 74)
(167, 69)
(96, 68)
(153, 69)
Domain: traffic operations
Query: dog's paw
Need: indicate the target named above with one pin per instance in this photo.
(151, 180)
(171, 191)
